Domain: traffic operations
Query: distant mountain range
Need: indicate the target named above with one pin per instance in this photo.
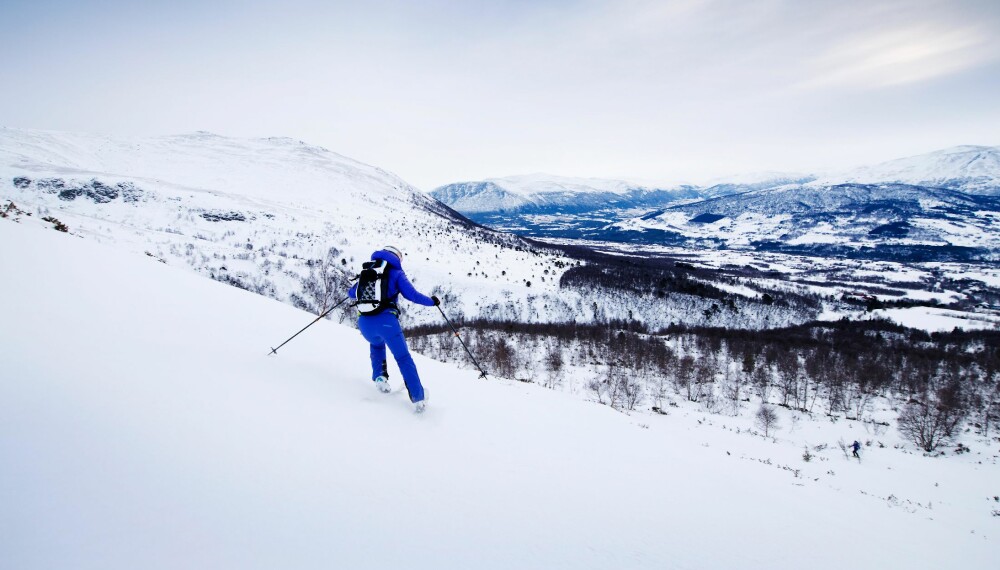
(540, 193)
(938, 206)
(883, 221)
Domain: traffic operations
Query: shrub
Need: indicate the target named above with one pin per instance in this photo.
(56, 224)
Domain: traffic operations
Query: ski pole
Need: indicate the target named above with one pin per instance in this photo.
(275, 350)
(482, 373)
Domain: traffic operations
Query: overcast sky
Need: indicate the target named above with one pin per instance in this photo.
(443, 91)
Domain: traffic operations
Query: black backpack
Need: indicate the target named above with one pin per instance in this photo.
(373, 288)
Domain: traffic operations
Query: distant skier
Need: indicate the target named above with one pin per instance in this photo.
(381, 282)
(856, 446)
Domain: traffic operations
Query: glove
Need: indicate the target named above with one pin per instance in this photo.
(437, 301)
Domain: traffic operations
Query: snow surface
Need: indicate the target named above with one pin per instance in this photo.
(932, 319)
(143, 425)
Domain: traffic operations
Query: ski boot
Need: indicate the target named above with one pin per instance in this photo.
(419, 407)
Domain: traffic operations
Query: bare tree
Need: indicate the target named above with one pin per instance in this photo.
(618, 388)
(766, 419)
(504, 360)
(788, 378)
(762, 382)
(843, 448)
(327, 283)
(554, 365)
(632, 390)
(932, 423)
(659, 387)
(612, 386)
(705, 384)
(684, 376)
(733, 388)
(987, 406)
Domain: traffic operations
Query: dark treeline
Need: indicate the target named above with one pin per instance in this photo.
(660, 277)
(658, 280)
(936, 379)
(661, 274)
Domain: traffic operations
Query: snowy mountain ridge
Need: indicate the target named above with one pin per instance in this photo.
(968, 168)
(937, 206)
(204, 161)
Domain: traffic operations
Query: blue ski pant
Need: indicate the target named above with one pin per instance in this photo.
(383, 330)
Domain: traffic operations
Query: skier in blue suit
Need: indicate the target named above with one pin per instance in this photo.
(383, 329)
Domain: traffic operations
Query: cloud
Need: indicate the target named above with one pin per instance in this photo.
(901, 56)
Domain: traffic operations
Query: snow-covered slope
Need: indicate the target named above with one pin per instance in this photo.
(971, 169)
(268, 215)
(267, 169)
(143, 425)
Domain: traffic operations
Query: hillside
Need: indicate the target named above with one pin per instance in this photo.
(293, 222)
(144, 426)
(274, 216)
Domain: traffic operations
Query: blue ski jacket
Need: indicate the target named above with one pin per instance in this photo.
(398, 282)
